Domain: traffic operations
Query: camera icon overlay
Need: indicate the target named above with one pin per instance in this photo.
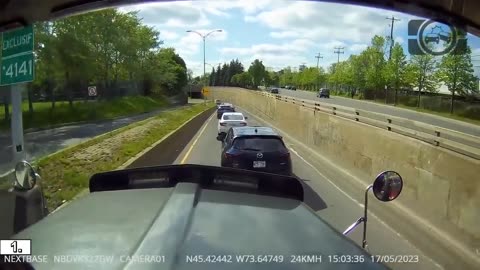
(431, 37)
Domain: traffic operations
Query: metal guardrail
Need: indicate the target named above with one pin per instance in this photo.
(459, 142)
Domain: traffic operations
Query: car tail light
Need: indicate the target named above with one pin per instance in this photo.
(223, 124)
(230, 155)
(285, 154)
(243, 124)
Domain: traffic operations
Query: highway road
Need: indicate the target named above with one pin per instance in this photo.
(44, 142)
(338, 203)
(389, 110)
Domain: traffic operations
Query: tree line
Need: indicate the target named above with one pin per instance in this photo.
(370, 74)
(102, 48)
(373, 72)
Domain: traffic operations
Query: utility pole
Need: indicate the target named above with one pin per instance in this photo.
(338, 51)
(390, 56)
(318, 70)
(391, 34)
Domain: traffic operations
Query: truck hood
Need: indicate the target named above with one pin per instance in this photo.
(185, 220)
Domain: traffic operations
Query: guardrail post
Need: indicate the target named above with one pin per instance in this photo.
(334, 110)
(358, 114)
(389, 122)
(437, 143)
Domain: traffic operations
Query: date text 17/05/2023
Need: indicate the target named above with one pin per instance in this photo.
(310, 258)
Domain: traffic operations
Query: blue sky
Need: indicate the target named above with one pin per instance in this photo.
(278, 32)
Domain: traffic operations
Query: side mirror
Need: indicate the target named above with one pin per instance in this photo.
(221, 137)
(246, 117)
(387, 186)
(25, 176)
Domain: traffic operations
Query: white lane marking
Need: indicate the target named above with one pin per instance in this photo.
(196, 139)
(322, 175)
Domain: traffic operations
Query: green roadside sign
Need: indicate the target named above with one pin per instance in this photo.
(17, 62)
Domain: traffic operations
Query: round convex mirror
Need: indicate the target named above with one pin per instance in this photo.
(387, 186)
(25, 175)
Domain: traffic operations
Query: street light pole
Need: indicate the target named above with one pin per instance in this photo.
(204, 74)
(204, 37)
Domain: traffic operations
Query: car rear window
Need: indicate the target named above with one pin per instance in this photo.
(232, 117)
(259, 144)
(225, 107)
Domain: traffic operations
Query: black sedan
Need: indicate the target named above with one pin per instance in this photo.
(223, 108)
(255, 148)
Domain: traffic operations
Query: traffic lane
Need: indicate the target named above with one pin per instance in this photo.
(44, 142)
(168, 149)
(344, 205)
(389, 110)
(204, 149)
(336, 206)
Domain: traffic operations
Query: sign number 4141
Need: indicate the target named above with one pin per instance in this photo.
(16, 69)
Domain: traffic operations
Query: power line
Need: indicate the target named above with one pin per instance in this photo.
(338, 51)
(391, 34)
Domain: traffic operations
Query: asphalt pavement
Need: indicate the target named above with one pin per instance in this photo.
(44, 142)
(389, 110)
(339, 204)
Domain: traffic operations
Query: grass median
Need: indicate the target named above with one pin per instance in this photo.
(45, 116)
(67, 172)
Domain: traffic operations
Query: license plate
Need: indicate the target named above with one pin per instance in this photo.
(259, 164)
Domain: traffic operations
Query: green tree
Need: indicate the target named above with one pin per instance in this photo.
(456, 71)
(374, 54)
(212, 77)
(243, 79)
(422, 71)
(395, 70)
(257, 72)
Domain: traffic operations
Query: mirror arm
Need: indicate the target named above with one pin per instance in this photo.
(353, 226)
(364, 241)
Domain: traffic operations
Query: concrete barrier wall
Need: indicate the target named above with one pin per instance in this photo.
(443, 183)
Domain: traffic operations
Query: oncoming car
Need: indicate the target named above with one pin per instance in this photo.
(324, 92)
(229, 120)
(255, 148)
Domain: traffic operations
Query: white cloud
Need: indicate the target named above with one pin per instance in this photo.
(357, 47)
(284, 34)
(289, 47)
(188, 45)
(168, 35)
(399, 40)
(171, 14)
(324, 21)
(247, 6)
